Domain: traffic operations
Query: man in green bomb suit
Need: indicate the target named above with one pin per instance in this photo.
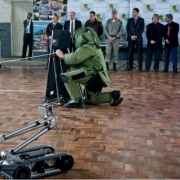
(90, 70)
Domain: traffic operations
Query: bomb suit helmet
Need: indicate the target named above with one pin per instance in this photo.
(86, 36)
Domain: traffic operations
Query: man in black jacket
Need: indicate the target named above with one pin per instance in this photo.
(49, 28)
(171, 31)
(72, 25)
(135, 28)
(155, 33)
(94, 23)
(28, 36)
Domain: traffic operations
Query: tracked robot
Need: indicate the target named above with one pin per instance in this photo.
(35, 162)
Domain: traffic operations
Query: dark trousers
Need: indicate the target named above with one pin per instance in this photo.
(150, 52)
(167, 52)
(48, 51)
(72, 47)
(27, 40)
(131, 45)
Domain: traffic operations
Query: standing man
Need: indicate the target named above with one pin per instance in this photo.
(94, 23)
(155, 33)
(28, 36)
(171, 30)
(135, 28)
(113, 32)
(49, 28)
(72, 25)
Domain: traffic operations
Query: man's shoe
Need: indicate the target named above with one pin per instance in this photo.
(165, 71)
(107, 66)
(116, 98)
(175, 71)
(75, 104)
(29, 59)
(114, 67)
(129, 69)
(140, 69)
(146, 70)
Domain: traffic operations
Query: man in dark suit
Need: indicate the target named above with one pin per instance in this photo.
(94, 23)
(28, 36)
(49, 28)
(135, 28)
(155, 33)
(171, 31)
(72, 25)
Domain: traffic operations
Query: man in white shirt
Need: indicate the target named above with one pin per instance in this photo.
(72, 25)
(28, 36)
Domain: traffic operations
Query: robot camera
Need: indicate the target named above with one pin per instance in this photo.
(45, 109)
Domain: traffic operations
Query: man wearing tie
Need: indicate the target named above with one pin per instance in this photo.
(28, 36)
(171, 31)
(135, 28)
(49, 28)
(72, 25)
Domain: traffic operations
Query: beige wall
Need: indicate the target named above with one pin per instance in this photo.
(6, 9)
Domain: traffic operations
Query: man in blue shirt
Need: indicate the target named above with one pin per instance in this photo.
(28, 36)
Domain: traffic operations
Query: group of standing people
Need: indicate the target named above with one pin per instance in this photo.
(113, 31)
(155, 33)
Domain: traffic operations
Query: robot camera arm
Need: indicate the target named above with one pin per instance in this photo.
(48, 121)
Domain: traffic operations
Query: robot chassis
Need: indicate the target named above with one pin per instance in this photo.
(38, 161)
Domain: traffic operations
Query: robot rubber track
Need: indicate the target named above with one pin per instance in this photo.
(26, 167)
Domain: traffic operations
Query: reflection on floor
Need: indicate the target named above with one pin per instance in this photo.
(138, 139)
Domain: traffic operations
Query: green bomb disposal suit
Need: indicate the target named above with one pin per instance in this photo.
(90, 70)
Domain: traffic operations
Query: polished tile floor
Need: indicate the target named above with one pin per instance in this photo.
(138, 139)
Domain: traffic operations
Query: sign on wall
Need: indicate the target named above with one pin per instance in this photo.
(43, 10)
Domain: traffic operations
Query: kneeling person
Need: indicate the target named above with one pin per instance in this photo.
(90, 71)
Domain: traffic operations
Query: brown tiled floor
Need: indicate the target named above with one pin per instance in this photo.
(138, 139)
